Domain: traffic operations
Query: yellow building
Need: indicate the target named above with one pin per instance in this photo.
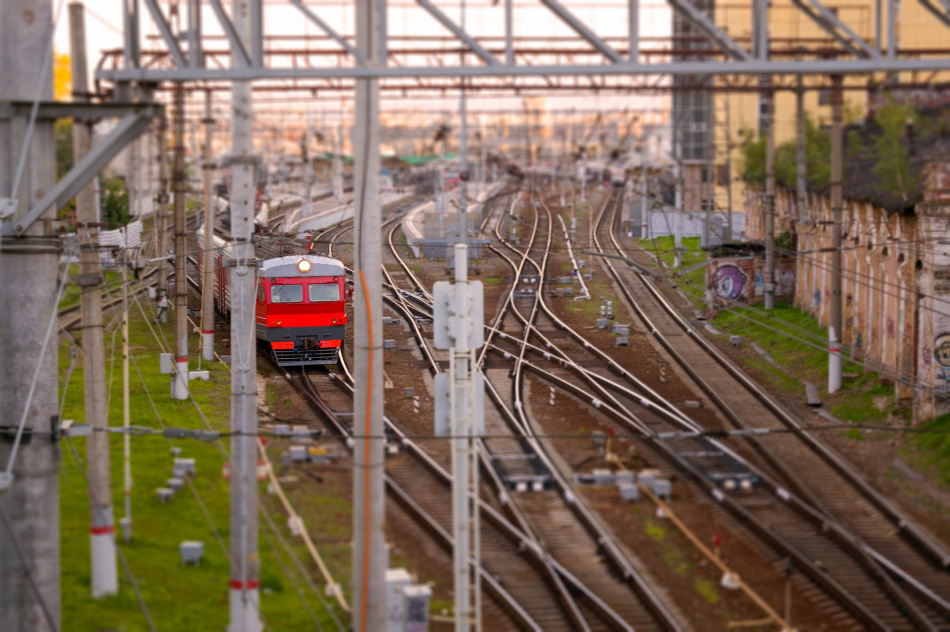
(790, 27)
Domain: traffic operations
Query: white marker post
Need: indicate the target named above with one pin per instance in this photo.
(460, 414)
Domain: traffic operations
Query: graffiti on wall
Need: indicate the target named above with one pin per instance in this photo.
(942, 349)
(942, 356)
(730, 281)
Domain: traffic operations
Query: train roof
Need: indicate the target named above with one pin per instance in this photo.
(286, 266)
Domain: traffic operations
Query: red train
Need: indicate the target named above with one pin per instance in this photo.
(300, 312)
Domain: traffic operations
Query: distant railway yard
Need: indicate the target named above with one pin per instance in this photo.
(636, 470)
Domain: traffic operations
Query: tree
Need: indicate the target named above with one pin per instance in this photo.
(892, 157)
(115, 203)
(64, 146)
(817, 159)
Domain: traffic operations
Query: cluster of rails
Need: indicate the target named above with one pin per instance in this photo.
(555, 599)
(890, 577)
(809, 504)
(514, 459)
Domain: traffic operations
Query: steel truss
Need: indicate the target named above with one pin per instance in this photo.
(587, 61)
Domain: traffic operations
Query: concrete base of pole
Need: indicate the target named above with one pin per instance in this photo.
(834, 362)
(180, 380)
(105, 576)
(245, 606)
(207, 345)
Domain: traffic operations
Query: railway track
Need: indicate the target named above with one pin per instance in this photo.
(839, 563)
(518, 461)
(873, 560)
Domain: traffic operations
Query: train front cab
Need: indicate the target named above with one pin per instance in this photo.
(300, 314)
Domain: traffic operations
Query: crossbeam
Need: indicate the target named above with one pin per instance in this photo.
(828, 21)
(91, 164)
(701, 21)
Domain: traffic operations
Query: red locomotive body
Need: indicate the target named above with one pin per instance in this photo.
(300, 312)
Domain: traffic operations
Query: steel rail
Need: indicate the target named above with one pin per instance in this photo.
(867, 556)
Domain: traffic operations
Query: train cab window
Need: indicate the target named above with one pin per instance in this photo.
(286, 294)
(260, 293)
(324, 292)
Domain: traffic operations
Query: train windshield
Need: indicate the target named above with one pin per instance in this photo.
(324, 292)
(286, 294)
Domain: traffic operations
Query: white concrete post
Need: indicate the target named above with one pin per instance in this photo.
(28, 290)
(105, 580)
(244, 602)
(369, 551)
(207, 259)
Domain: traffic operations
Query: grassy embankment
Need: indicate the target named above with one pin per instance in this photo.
(178, 597)
(795, 341)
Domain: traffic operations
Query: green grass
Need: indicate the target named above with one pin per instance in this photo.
(73, 291)
(708, 589)
(937, 447)
(179, 598)
(779, 336)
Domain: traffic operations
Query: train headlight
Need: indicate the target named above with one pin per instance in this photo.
(304, 266)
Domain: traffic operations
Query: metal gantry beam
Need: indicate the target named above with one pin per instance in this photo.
(852, 55)
(163, 27)
(703, 22)
(459, 32)
(830, 22)
(940, 8)
(91, 164)
(583, 30)
(240, 57)
(326, 28)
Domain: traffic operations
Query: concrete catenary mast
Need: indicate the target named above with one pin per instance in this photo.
(105, 580)
(369, 554)
(242, 287)
(29, 485)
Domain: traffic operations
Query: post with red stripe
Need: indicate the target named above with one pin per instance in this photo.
(104, 574)
(244, 595)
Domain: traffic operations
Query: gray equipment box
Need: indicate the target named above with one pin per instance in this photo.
(191, 552)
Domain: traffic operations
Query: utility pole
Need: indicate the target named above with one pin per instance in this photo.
(644, 208)
(458, 326)
(728, 169)
(801, 181)
(463, 158)
(768, 128)
(678, 217)
(760, 49)
(207, 252)
(180, 374)
(126, 521)
(242, 283)
(369, 552)
(161, 217)
(105, 580)
(834, 324)
(29, 485)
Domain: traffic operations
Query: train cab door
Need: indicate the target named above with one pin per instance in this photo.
(260, 309)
